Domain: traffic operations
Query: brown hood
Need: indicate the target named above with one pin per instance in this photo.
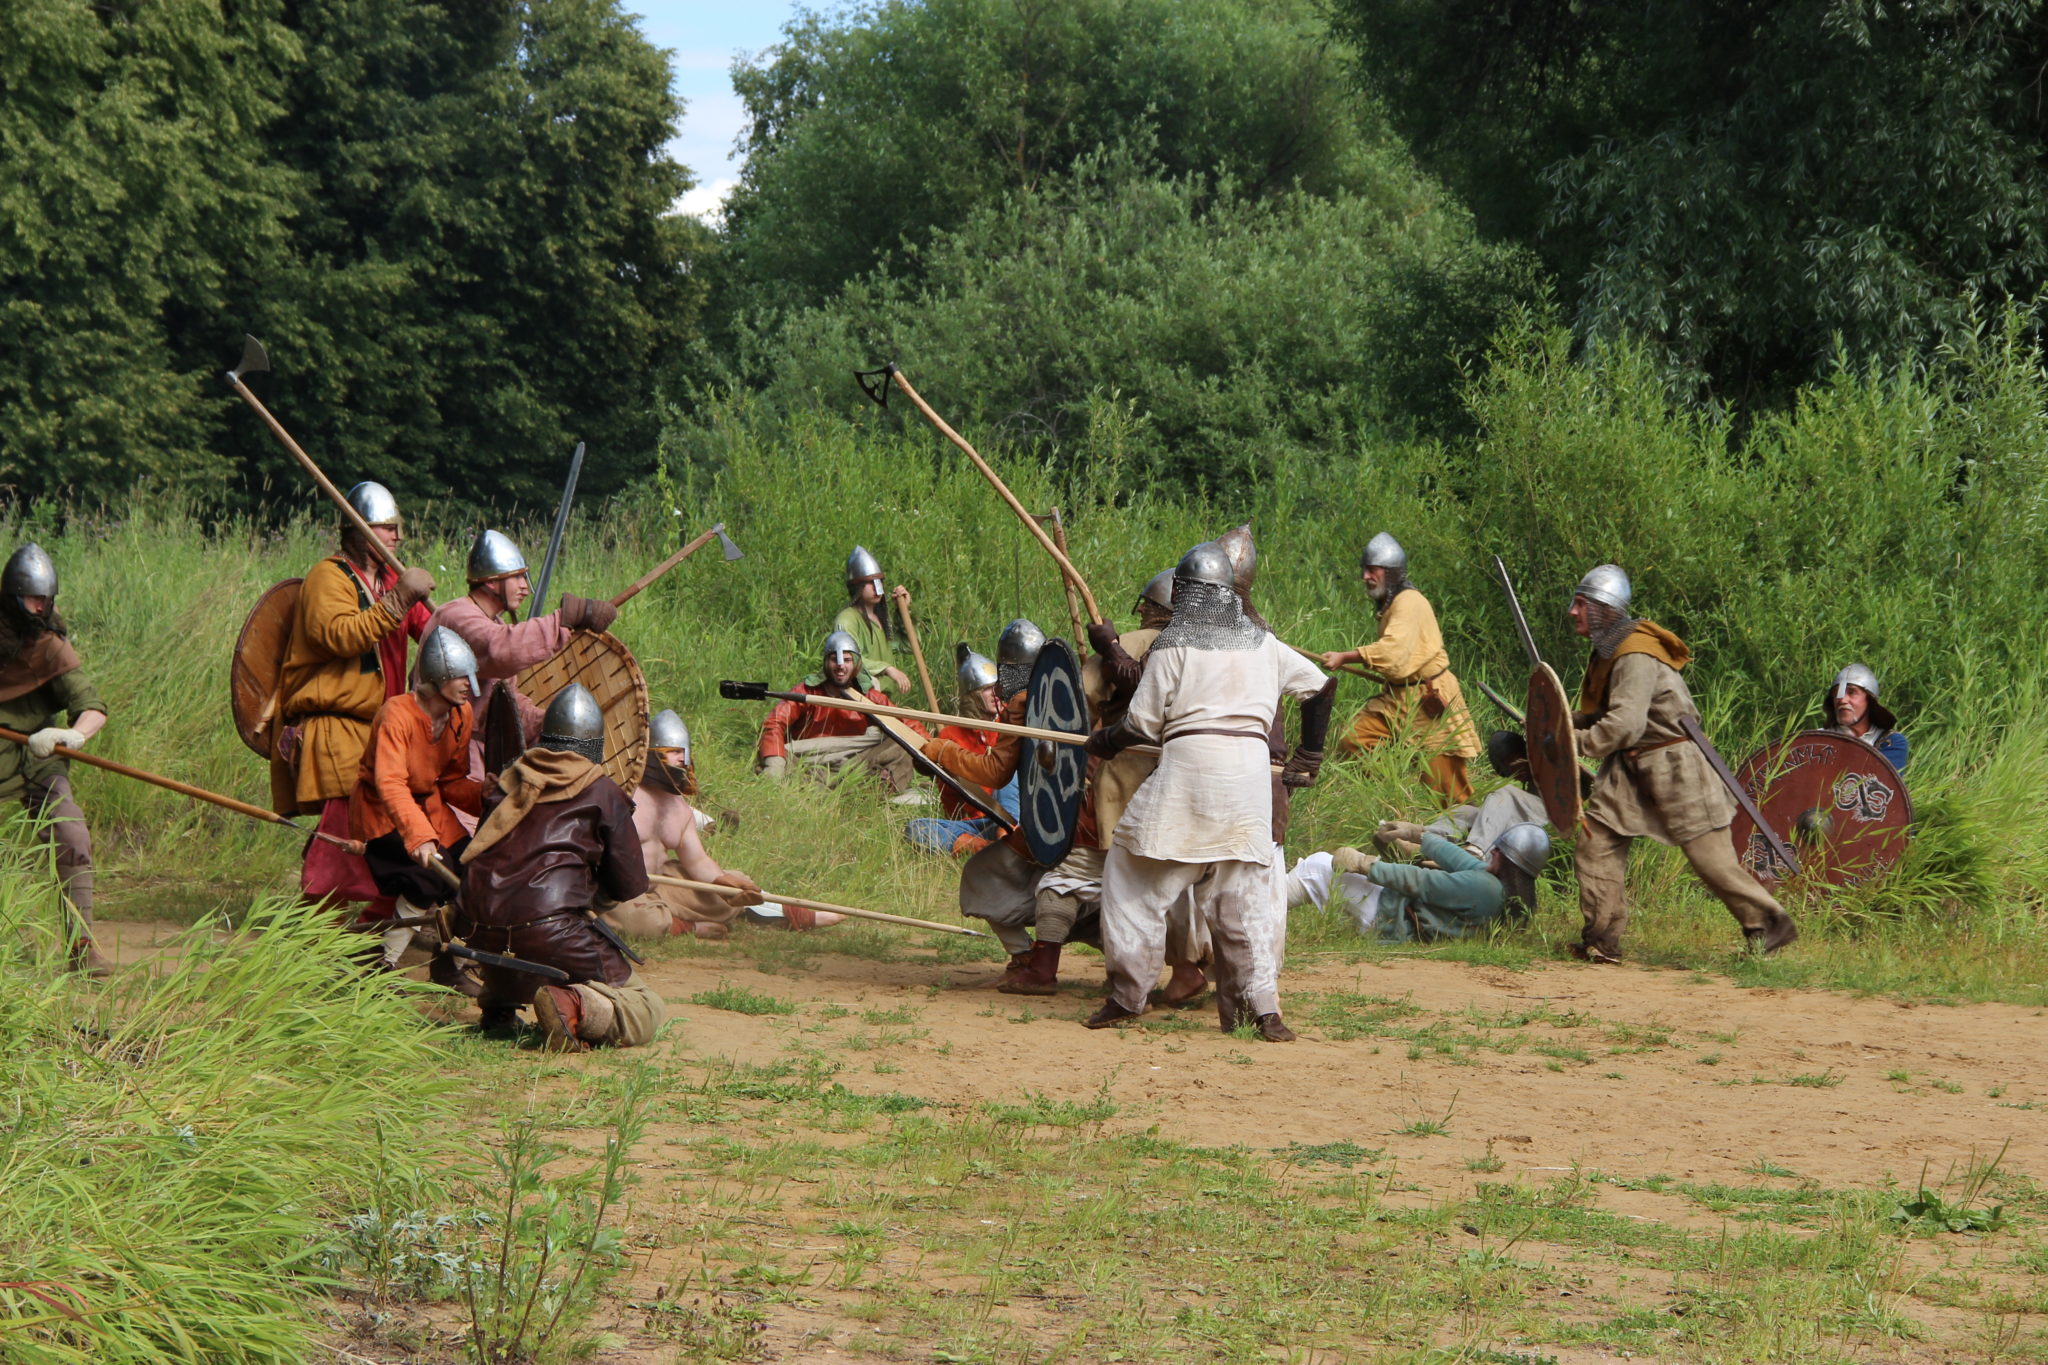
(539, 775)
(1647, 638)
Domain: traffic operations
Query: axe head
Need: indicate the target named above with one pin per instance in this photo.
(732, 551)
(743, 691)
(875, 383)
(254, 359)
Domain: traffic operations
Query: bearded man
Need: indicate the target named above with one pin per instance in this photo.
(962, 829)
(1202, 824)
(557, 846)
(40, 685)
(345, 659)
(1851, 708)
(1654, 782)
(867, 621)
(832, 739)
(1420, 699)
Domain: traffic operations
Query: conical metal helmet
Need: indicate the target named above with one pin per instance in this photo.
(493, 555)
(1526, 846)
(374, 504)
(667, 731)
(862, 565)
(1244, 556)
(1855, 675)
(1209, 563)
(1606, 583)
(575, 723)
(1159, 590)
(30, 572)
(444, 656)
(1859, 675)
(1384, 552)
(975, 671)
(1016, 651)
(839, 647)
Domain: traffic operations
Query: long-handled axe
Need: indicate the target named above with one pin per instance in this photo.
(924, 674)
(731, 550)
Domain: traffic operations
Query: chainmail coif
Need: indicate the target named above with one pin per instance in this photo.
(592, 749)
(1208, 616)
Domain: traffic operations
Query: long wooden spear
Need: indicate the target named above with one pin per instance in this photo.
(719, 888)
(924, 674)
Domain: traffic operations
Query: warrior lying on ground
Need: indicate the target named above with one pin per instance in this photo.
(1463, 893)
(831, 740)
(1476, 827)
(1421, 697)
(345, 659)
(415, 776)
(1653, 781)
(963, 830)
(670, 829)
(1203, 822)
(1851, 708)
(498, 583)
(557, 845)
(40, 684)
(867, 621)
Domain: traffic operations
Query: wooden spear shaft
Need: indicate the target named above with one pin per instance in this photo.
(924, 674)
(268, 817)
(719, 888)
(1030, 522)
(658, 570)
(326, 484)
(1059, 534)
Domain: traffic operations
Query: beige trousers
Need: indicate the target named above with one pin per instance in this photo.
(637, 1011)
(1235, 901)
(1603, 892)
(873, 751)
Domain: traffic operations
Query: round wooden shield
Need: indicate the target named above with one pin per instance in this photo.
(606, 667)
(1050, 776)
(1553, 750)
(258, 662)
(1835, 801)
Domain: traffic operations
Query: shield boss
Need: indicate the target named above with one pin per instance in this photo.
(1836, 802)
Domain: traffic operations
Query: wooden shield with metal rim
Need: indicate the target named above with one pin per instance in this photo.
(258, 663)
(1553, 750)
(606, 667)
(1839, 805)
(1049, 775)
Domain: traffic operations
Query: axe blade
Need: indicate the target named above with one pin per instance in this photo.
(875, 383)
(731, 550)
(255, 360)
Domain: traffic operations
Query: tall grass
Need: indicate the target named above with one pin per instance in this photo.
(182, 1140)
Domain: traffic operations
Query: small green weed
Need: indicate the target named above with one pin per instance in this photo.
(741, 1000)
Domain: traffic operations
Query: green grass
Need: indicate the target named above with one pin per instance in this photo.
(742, 1000)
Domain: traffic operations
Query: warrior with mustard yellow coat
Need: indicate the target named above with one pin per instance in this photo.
(40, 686)
(1421, 698)
(1654, 782)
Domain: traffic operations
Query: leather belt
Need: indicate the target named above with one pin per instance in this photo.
(1416, 682)
(576, 912)
(1260, 736)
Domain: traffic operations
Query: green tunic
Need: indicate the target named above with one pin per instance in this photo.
(1460, 899)
(68, 695)
(876, 650)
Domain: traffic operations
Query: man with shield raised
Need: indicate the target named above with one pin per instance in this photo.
(1636, 715)
(830, 739)
(1420, 697)
(345, 657)
(498, 583)
(1202, 824)
(44, 695)
(867, 621)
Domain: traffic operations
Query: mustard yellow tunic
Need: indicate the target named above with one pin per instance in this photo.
(1409, 657)
(331, 687)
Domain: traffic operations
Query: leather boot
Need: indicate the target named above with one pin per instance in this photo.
(1039, 974)
(1273, 1030)
(1109, 1016)
(1767, 940)
(87, 959)
(560, 1011)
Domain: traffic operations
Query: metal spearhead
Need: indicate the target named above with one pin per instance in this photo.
(254, 359)
(732, 551)
(875, 383)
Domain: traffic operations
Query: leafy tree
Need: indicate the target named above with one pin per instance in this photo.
(895, 120)
(1740, 183)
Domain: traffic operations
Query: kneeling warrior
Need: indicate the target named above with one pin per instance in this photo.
(961, 829)
(1653, 782)
(557, 845)
(1203, 822)
(414, 778)
(40, 682)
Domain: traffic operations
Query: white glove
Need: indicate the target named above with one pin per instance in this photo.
(424, 855)
(44, 742)
(774, 768)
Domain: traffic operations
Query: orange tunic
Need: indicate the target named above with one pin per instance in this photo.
(410, 778)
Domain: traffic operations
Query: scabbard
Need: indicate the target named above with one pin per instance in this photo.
(539, 969)
(611, 936)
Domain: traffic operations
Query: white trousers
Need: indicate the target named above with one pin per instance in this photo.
(1315, 882)
(1240, 903)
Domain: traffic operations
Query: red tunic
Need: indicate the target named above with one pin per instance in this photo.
(800, 720)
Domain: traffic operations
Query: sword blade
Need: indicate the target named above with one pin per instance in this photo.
(1515, 605)
(540, 969)
(547, 565)
(1720, 767)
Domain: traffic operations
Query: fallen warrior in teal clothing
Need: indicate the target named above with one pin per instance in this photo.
(1461, 895)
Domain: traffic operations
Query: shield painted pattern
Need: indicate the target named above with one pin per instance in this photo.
(1051, 776)
(601, 663)
(258, 663)
(1553, 750)
(1835, 801)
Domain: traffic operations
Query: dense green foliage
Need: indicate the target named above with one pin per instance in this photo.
(1741, 183)
(446, 221)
